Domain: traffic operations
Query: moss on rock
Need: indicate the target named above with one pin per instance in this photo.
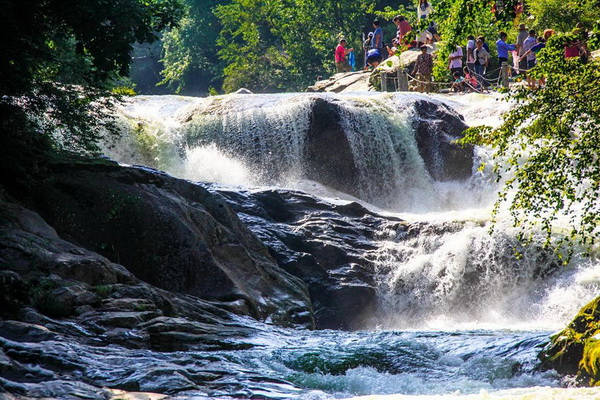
(576, 349)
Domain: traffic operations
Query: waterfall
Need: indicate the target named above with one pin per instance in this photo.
(267, 137)
(443, 275)
(445, 270)
(392, 174)
(365, 146)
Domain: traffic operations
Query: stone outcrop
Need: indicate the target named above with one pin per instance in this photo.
(167, 232)
(437, 127)
(83, 308)
(329, 158)
(576, 349)
(330, 247)
(357, 81)
(73, 322)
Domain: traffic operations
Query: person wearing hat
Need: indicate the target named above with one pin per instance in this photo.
(367, 42)
(523, 34)
(341, 62)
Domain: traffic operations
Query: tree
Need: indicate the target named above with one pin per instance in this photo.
(548, 150)
(192, 63)
(284, 45)
(563, 15)
(59, 57)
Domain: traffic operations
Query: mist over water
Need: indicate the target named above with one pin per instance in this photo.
(450, 273)
(471, 315)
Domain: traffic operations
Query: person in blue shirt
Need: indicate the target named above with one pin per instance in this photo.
(373, 58)
(504, 48)
(377, 41)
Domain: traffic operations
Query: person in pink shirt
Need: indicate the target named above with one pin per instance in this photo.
(341, 62)
(403, 27)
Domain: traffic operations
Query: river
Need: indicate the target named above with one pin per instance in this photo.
(459, 317)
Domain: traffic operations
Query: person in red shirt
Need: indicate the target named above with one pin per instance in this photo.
(403, 27)
(341, 62)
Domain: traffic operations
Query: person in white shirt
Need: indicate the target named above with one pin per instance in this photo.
(455, 61)
(424, 9)
(470, 52)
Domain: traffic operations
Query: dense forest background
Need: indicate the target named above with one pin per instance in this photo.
(268, 46)
(285, 45)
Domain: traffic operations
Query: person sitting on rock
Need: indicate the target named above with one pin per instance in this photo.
(341, 62)
(459, 82)
(394, 49)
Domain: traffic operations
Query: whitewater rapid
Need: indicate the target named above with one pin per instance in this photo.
(259, 141)
(454, 289)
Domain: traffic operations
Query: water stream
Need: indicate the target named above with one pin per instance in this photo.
(464, 318)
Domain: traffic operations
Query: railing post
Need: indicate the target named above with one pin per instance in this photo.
(384, 82)
(505, 71)
(402, 77)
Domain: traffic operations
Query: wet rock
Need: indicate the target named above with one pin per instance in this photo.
(13, 292)
(329, 158)
(576, 349)
(125, 319)
(437, 127)
(24, 332)
(328, 246)
(178, 334)
(167, 232)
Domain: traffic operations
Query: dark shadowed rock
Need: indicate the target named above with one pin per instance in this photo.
(330, 247)
(437, 127)
(167, 232)
(329, 158)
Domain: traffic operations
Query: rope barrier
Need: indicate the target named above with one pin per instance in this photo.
(480, 78)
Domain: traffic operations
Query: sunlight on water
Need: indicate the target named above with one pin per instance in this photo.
(441, 279)
(533, 393)
(209, 164)
(454, 274)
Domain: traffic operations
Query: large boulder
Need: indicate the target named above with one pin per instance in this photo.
(576, 349)
(167, 232)
(329, 158)
(357, 81)
(330, 247)
(437, 128)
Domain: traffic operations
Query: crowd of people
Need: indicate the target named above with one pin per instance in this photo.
(468, 68)
(374, 47)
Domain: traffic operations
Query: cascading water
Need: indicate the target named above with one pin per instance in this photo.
(481, 312)
(269, 140)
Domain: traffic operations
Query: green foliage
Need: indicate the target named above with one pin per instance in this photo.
(283, 45)
(103, 291)
(190, 57)
(563, 15)
(548, 146)
(60, 57)
(458, 19)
